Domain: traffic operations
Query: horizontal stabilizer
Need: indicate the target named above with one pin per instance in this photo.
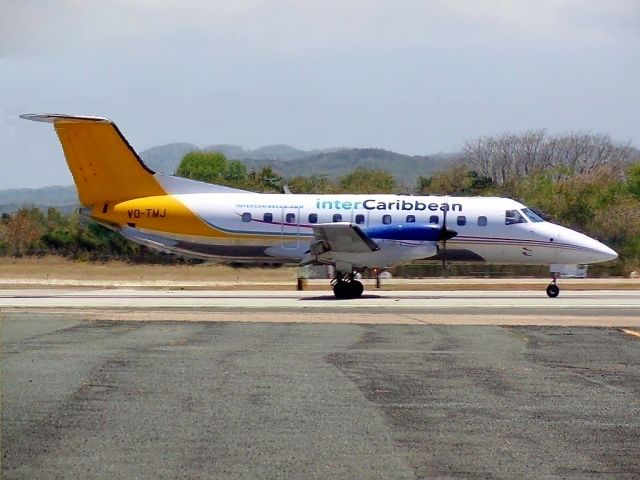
(60, 118)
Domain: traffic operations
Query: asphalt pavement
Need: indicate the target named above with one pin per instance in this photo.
(119, 399)
(589, 307)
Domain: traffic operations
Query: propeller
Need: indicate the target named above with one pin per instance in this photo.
(445, 234)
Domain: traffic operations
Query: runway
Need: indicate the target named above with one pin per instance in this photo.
(473, 307)
(167, 383)
(174, 399)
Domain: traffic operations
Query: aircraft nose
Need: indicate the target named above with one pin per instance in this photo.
(593, 251)
(605, 253)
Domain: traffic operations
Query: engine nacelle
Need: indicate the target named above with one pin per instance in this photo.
(423, 232)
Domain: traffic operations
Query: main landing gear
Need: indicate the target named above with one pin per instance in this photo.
(346, 286)
(552, 289)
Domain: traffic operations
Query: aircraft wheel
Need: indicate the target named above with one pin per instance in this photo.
(553, 291)
(341, 290)
(356, 289)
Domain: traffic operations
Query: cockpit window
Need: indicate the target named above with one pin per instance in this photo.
(513, 216)
(531, 215)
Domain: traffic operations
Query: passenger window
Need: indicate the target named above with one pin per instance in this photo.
(359, 219)
(290, 218)
(513, 216)
(386, 219)
(268, 217)
(337, 217)
(462, 220)
(246, 217)
(482, 221)
(313, 218)
(434, 219)
(411, 218)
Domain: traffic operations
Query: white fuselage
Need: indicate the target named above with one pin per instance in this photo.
(350, 232)
(276, 228)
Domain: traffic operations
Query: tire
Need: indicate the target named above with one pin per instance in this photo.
(344, 290)
(341, 290)
(553, 291)
(356, 289)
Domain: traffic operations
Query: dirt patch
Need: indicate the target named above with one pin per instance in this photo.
(52, 267)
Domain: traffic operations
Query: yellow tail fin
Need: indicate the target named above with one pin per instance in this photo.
(104, 166)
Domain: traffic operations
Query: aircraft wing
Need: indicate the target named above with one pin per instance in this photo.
(341, 237)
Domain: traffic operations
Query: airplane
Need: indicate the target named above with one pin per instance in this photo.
(352, 233)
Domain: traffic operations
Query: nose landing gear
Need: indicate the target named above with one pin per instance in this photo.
(552, 289)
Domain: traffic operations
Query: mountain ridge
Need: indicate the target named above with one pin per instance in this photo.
(281, 151)
(290, 161)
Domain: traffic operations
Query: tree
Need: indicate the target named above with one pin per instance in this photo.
(458, 180)
(213, 167)
(508, 157)
(265, 180)
(207, 167)
(633, 179)
(316, 183)
(23, 230)
(364, 180)
(235, 174)
(4, 245)
(62, 232)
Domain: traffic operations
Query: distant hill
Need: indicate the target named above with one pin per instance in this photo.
(63, 198)
(286, 160)
(165, 158)
(291, 162)
(281, 152)
(405, 168)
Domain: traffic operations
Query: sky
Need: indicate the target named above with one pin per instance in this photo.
(412, 76)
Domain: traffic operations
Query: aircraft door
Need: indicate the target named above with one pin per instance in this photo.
(290, 228)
